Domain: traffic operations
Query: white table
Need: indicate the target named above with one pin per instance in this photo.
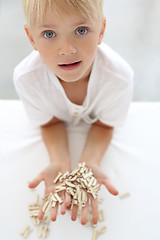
(132, 162)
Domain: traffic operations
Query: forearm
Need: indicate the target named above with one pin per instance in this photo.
(55, 139)
(97, 142)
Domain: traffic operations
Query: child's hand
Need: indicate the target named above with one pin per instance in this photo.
(101, 179)
(48, 175)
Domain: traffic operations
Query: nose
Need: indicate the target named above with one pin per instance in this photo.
(66, 48)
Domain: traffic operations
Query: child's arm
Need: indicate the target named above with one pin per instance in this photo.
(55, 138)
(98, 140)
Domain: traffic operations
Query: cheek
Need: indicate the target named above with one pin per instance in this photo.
(47, 53)
(89, 49)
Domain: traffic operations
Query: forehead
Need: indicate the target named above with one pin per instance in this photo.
(52, 18)
(60, 9)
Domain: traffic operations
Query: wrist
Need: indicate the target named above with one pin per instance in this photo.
(91, 157)
(63, 165)
(91, 161)
(64, 161)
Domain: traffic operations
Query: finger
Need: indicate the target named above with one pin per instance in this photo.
(35, 182)
(66, 203)
(69, 208)
(41, 214)
(84, 214)
(54, 211)
(49, 190)
(63, 205)
(95, 212)
(63, 208)
(110, 187)
(67, 199)
(74, 212)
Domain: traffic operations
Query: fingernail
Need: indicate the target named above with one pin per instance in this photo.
(53, 219)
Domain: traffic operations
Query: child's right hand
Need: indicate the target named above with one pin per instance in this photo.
(48, 175)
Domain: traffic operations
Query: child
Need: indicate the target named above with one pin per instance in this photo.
(72, 77)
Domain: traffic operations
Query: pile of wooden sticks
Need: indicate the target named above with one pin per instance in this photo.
(77, 184)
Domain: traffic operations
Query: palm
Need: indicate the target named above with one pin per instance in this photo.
(48, 175)
(98, 174)
(101, 179)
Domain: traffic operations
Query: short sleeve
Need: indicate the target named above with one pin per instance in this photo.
(33, 101)
(115, 108)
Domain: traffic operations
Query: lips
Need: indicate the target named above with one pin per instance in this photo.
(70, 66)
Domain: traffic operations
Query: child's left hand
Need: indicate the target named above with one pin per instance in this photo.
(101, 179)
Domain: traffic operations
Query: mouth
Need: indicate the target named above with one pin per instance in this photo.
(69, 66)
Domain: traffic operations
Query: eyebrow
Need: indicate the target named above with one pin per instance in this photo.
(74, 25)
(47, 26)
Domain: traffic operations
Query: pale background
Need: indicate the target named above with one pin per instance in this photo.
(132, 30)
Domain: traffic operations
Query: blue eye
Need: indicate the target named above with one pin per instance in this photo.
(49, 34)
(82, 31)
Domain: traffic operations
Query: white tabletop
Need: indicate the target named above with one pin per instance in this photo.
(132, 161)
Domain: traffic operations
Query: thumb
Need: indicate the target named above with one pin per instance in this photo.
(35, 182)
(107, 183)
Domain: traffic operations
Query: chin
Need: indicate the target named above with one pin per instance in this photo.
(69, 79)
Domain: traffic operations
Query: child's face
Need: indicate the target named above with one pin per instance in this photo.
(67, 45)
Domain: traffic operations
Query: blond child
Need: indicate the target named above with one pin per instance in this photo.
(72, 77)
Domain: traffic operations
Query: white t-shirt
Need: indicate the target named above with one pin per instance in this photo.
(109, 91)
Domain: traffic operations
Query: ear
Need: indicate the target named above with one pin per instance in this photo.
(101, 35)
(27, 30)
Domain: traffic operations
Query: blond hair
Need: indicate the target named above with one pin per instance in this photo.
(34, 10)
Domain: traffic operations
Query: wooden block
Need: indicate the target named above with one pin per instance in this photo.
(81, 165)
(101, 230)
(65, 175)
(96, 187)
(94, 195)
(101, 216)
(73, 178)
(53, 198)
(75, 195)
(80, 197)
(58, 198)
(84, 196)
(46, 206)
(85, 183)
(34, 213)
(36, 221)
(25, 229)
(94, 236)
(94, 225)
(60, 189)
(94, 182)
(100, 199)
(53, 204)
(36, 199)
(57, 178)
(124, 195)
(73, 173)
(46, 219)
(87, 175)
(43, 231)
(91, 181)
(74, 201)
(32, 207)
(40, 231)
(69, 184)
(82, 184)
(70, 191)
